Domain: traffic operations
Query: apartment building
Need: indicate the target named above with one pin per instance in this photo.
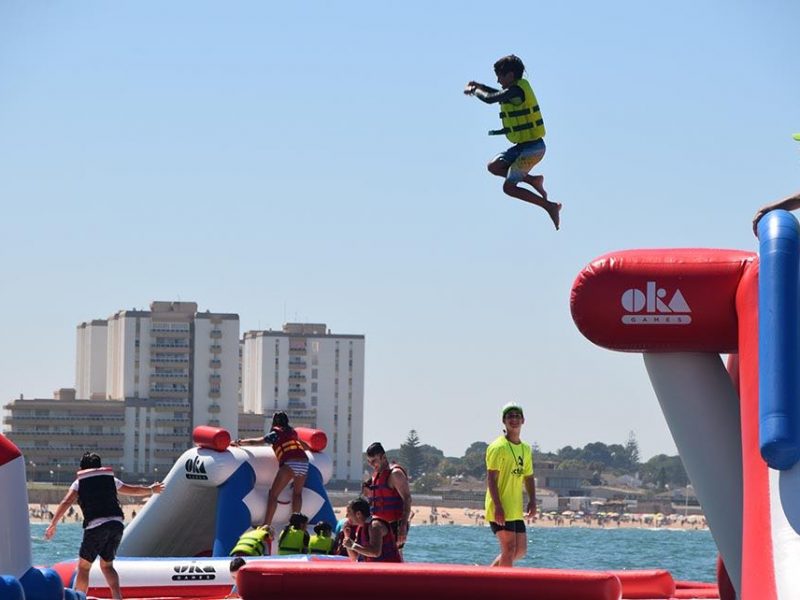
(53, 433)
(317, 377)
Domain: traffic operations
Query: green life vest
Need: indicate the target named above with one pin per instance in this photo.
(293, 541)
(320, 544)
(521, 122)
(251, 543)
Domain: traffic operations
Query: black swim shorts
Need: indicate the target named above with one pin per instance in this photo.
(101, 541)
(515, 526)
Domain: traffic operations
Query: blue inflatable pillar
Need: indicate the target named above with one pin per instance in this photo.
(779, 339)
(233, 516)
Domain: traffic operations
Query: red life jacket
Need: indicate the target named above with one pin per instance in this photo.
(389, 551)
(386, 503)
(288, 446)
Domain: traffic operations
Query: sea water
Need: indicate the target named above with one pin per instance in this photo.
(687, 554)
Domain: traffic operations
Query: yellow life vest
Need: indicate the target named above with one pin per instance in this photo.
(320, 544)
(521, 122)
(251, 543)
(293, 541)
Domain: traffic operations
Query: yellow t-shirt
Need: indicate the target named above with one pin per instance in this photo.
(514, 462)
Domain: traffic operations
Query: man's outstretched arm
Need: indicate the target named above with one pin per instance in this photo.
(789, 203)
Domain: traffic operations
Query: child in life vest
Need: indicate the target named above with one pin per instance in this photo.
(322, 540)
(253, 542)
(294, 538)
(292, 463)
(523, 125)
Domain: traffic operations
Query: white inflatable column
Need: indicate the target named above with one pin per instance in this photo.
(701, 407)
(15, 529)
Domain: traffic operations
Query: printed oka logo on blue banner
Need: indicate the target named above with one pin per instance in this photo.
(651, 306)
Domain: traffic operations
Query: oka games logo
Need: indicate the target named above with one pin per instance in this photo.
(193, 573)
(651, 307)
(195, 469)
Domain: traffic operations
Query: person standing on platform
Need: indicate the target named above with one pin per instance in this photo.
(96, 490)
(292, 463)
(509, 468)
(390, 495)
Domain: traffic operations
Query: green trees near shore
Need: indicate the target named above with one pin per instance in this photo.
(428, 467)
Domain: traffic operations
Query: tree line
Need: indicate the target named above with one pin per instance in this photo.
(427, 466)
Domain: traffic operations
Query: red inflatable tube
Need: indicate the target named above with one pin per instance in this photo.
(274, 579)
(314, 438)
(677, 300)
(214, 438)
(696, 594)
(646, 584)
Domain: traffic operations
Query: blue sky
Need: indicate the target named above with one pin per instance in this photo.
(318, 161)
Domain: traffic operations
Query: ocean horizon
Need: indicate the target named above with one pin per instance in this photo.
(687, 554)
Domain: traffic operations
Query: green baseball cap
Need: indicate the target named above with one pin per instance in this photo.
(796, 136)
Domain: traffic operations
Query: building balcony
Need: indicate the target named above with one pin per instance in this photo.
(168, 438)
(170, 330)
(216, 423)
(215, 348)
(165, 453)
(297, 378)
(299, 351)
(172, 406)
(170, 377)
(297, 365)
(172, 422)
(215, 334)
(170, 347)
(214, 393)
(296, 393)
(214, 408)
(174, 361)
(214, 363)
(60, 420)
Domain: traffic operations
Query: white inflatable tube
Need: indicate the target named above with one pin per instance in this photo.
(701, 407)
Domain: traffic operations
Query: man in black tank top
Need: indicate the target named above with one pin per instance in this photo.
(96, 490)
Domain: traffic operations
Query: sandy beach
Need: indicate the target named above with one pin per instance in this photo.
(429, 516)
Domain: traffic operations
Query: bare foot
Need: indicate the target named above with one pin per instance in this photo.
(554, 210)
(537, 182)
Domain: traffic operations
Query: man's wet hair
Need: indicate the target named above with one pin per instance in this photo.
(510, 63)
(360, 505)
(374, 449)
(236, 564)
(91, 460)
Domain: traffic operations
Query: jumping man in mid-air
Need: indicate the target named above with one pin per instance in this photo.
(524, 127)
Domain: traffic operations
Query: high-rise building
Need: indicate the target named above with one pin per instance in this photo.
(90, 360)
(174, 367)
(317, 377)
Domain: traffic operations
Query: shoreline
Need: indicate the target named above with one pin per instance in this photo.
(430, 516)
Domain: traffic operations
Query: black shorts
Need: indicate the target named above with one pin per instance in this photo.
(515, 526)
(395, 527)
(101, 541)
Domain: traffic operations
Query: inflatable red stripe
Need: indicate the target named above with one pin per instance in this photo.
(8, 450)
(758, 574)
(646, 584)
(420, 580)
(660, 300)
